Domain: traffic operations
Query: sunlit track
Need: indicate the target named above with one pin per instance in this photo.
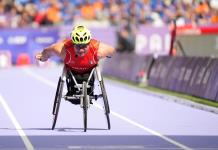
(49, 83)
(19, 129)
(146, 121)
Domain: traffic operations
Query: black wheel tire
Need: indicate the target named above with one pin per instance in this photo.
(105, 99)
(106, 104)
(108, 121)
(85, 107)
(56, 95)
(57, 103)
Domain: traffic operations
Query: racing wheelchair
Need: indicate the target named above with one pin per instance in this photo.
(82, 94)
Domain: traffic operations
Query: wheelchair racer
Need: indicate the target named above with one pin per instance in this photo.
(80, 54)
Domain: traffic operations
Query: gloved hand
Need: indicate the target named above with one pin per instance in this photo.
(41, 56)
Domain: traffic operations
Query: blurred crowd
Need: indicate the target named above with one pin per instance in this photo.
(34, 13)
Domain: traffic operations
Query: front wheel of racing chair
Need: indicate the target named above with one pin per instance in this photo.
(85, 104)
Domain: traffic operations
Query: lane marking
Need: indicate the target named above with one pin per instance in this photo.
(20, 131)
(146, 129)
(120, 147)
(53, 85)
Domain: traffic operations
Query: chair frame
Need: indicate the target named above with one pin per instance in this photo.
(84, 97)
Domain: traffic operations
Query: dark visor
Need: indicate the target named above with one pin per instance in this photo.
(80, 46)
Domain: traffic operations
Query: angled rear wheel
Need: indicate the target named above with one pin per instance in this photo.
(106, 104)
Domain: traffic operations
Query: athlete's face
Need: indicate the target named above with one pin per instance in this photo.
(81, 49)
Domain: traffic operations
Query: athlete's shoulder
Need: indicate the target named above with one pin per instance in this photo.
(95, 43)
(67, 42)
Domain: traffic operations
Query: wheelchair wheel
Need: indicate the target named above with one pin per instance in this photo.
(56, 95)
(85, 105)
(106, 104)
(57, 101)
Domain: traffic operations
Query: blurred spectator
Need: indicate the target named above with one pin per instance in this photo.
(87, 10)
(3, 20)
(53, 13)
(67, 12)
(214, 16)
(13, 18)
(21, 13)
(126, 35)
(145, 12)
(114, 11)
(202, 13)
(133, 9)
(42, 7)
(98, 7)
(24, 20)
(22, 2)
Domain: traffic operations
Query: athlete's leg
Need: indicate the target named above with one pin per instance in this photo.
(70, 85)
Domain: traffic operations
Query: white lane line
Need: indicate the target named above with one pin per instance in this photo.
(121, 147)
(20, 131)
(146, 129)
(53, 85)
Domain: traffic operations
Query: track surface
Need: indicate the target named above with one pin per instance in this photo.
(139, 120)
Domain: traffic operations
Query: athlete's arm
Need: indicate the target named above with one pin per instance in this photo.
(105, 50)
(55, 49)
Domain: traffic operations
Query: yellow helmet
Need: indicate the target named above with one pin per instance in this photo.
(80, 35)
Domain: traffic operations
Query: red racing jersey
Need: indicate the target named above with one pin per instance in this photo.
(81, 64)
